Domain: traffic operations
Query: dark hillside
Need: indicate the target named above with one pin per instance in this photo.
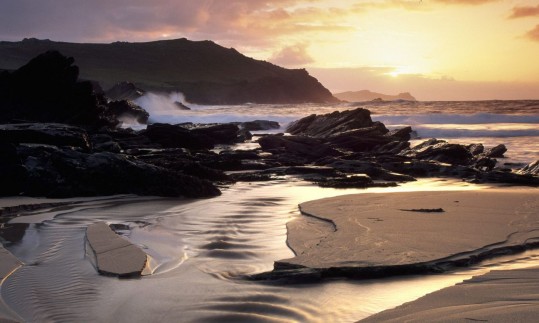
(203, 70)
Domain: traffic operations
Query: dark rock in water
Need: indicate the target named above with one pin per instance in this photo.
(297, 145)
(45, 133)
(530, 169)
(485, 163)
(174, 136)
(218, 134)
(332, 123)
(181, 106)
(403, 134)
(476, 149)
(440, 150)
(372, 169)
(363, 139)
(127, 109)
(46, 90)
(55, 172)
(258, 125)
(496, 152)
(124, 91)
(177, 136)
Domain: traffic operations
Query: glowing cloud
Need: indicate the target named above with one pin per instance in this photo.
(521, 12)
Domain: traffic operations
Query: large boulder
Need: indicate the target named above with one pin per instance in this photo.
(332, 123)
(46, 90)
(177, 136)
(45, 133)
(441, 151)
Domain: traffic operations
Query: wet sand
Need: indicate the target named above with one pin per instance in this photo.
(377, 234)
(499, 296)
(397, 231)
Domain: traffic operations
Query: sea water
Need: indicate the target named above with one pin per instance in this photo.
(201, 250)
(512, 123)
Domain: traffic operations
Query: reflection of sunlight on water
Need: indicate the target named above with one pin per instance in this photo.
(201, 249)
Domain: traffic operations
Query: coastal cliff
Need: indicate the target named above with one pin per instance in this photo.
(204, 71)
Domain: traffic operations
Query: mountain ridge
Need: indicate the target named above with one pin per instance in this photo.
(204, 71)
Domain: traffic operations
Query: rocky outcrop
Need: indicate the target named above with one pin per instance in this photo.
(57, 172)
(55, 134)
(332, 124)
(177, 136)
(124, 91)
(46, 90)
(530, 169)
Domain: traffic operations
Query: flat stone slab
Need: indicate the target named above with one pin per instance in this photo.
(114, 254)
(498, 296)
(387, 234)
(8, 263)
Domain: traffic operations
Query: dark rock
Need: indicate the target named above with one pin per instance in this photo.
(530, 169)
(331, 124)
(258, 125)
(218, 134)
(124, 91)
(403, 134)
(174, 136)
(372, 169)
(46, 90)
(485, 163)
(45, 133)
(438, 210)
(441, 151)
(496, 152)
(55, 172)
(476, 149)
(297, 145)
(128, 110)
(12, 173)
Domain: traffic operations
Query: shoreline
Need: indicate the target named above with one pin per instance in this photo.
(516, 189)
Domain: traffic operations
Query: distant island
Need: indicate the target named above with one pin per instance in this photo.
(366, 95)
(205, 72)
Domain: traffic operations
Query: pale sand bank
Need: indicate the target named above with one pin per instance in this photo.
(499, 296)
(371, 234)
(8, 264)
(115, 255)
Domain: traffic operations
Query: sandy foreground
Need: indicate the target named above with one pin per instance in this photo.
(397, 229)
(403, 232)
(499, 296)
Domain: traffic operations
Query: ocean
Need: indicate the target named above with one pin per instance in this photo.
(201, 250)
(513, 123)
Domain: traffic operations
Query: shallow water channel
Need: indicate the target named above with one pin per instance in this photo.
(200, 251)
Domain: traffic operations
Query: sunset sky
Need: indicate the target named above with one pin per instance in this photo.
(435, 49)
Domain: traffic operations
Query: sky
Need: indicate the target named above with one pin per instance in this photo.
(435, 49)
